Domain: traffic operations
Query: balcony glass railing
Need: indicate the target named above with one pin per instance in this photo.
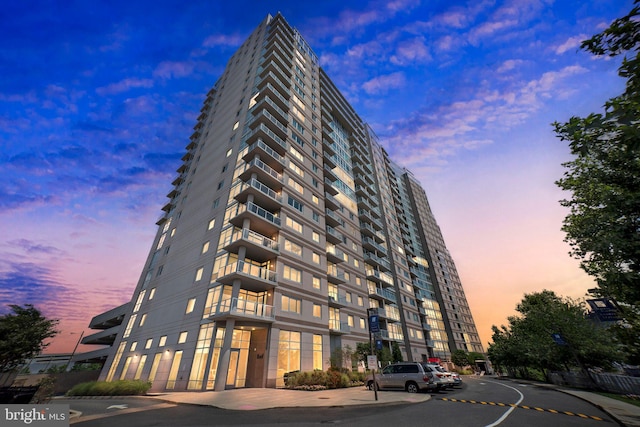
(246, 308)
(337, 325)
(253, 237)
(270, 151)
(248, 269)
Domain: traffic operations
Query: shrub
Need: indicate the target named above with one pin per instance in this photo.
(321, 380)
(115, 388)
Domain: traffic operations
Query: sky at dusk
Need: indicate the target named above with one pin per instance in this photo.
(98, 100)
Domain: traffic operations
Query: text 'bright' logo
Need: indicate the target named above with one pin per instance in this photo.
(30, 415)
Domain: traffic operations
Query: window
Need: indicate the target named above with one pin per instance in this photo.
(360, 301)
(148, 344)
(141, 363)
(182, 338)
(288, 354)
(296, 186)
(235, 125)
(291, 304)
(348, 297)
(199, 274)
(229, 151)
(292, 274)
(205, 247)
(190, 305)
(212, 223)
(362, 324)
(316, 216)
(295, 203)
(216, 203)
(134, 345)
(152, 293)
(350, 320)
(296, 169)
(291, 223)
(316, 282)
(221, 184)
(298, 155)
(294, 248)
(315, 236)
(317, 310)
(315, 199)
(143, 318)
(316, 258)
(163, 341)
(317, 352)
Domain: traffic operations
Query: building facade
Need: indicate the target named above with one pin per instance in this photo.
(286, 226)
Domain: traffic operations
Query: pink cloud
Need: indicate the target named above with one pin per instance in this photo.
(173, 69)
(124, 86)
(571, 43)
(384, 83)
(411, 52)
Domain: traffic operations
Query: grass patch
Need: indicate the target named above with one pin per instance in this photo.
(632, 399)
(114, 388)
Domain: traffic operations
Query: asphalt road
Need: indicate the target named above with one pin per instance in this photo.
(479, 402)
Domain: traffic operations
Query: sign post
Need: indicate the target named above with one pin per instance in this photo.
(372, 360)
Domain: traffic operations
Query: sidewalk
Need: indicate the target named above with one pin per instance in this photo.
(250, 399)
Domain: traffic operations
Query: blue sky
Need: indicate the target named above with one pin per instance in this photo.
(98, 100)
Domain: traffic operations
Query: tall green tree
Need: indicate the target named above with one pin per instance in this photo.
(22, 335)
(603, 224)
(528, 341)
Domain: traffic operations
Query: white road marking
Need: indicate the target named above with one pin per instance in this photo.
(510, 410)
(118, 407)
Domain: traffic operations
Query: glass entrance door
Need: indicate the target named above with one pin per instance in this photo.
(234, 356)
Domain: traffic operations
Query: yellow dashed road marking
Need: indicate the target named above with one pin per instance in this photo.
(553, 411)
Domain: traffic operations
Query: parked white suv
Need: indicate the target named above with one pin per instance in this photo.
(443, 378)
(410, 376)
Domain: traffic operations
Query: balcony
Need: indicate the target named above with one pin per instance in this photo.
(331, 202)
(266, 102)
(377, 261)
(337, 300)
(331, 218)
(336, 327)
(382, 293)
(378, 276)
(254, 278)
(272, 65)
(267, 154)
(335, 275)
(335, 254)
(263, 194)
(260, 248)
(282, 102)
(262, 132)
(242, 309)
(329, 188)
(263, 116)
(333, 235)
(266, 173)
(262, 221)
(372, 245)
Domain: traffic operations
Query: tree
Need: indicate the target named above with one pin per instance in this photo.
(603, 225)
(460, 358)
(22, 335)
(528, 341)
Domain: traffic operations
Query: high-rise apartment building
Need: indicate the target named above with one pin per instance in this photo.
(286, 224)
